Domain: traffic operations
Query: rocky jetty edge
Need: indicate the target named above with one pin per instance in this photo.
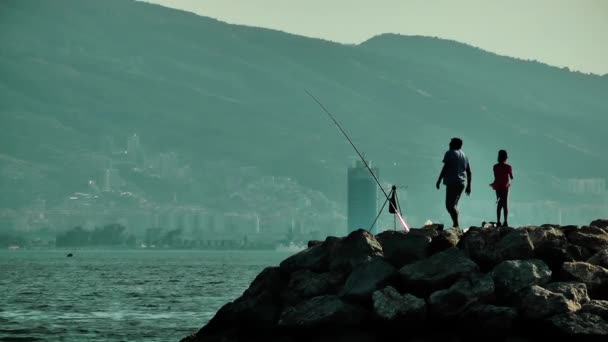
(528, 283)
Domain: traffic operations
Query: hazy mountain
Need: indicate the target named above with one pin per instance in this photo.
(217, 94)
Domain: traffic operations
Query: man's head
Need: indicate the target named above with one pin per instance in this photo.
(455, 144)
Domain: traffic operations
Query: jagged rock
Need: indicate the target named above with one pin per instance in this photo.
(512, 276)
(601, 223)
(576, 292)
(436, 272)
(593, 238)
(445, 239)
(489, 319)
(400, 248)
(270, 279)
(461, 295)
(551, 246)
(569, 228)
(480, 245)
(255, 312)
(595, 277)
(358, 247)
(367, 278)
(578, 325)
(596, 307)
(304, 284)
(600, 258)
(391, 305)
(315, 258)
(322, 311)
(540, 303)
(515, 245)
(313, 243)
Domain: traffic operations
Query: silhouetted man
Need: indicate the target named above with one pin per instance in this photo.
(456, 172)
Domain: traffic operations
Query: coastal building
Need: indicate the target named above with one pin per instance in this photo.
(362, 194)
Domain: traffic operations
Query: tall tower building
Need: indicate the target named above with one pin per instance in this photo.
(362, 192)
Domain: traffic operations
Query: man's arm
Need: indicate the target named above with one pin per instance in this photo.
(511, 172)
(441, 175)
(469, 179)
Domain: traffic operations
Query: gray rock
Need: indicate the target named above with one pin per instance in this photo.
(512, 276)
(260, 311)
(462, 295)
(600, 258)
(578, 325)
(515, 245)
(367, 278)
(315, 258)
(593, 238)
(322, 311)
(480, 245)
(400, 248)
(391, 305)
(445, 239)
(541, 303)
(270, 279)
(304, 284)
(576, 292)
(596, 307)
(437, 272)
(593, 276)
(358, 247)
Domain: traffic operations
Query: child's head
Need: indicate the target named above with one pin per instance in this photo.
(502, 156)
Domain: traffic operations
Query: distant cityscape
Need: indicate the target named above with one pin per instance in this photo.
(110, 200)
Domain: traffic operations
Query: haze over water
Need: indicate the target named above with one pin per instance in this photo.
(119, 295)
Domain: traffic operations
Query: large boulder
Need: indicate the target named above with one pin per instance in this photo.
(400, 248)
(600, 223)
(315, 258)
(270, 279)
(597, 307)
(595, 277)
(462, 295)
(551, 246)
(515, 245)
(304, 284)
(255, 312)
(573, 291)
(390, 305)
(540, 303)
(578, 325)
(593, 238)
(512, 276)
(445, 239)
(358, 247)
(437, 272)
(329, 311)
(479, 244)
(600, 258)
(367, 278)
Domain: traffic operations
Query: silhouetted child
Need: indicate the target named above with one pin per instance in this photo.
(503, 174)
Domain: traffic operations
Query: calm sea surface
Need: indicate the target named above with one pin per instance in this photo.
(119, 295)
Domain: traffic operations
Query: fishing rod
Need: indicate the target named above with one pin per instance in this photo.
(388, 198)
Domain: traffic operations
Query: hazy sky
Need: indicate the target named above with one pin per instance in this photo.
(572, 33)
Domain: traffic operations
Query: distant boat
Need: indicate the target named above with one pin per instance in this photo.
(291, 248)
(13, 248)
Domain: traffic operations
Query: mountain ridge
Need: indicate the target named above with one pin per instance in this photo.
(216, 92)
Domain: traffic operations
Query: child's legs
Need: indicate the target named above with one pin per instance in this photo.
(498, 206)
(504, 202)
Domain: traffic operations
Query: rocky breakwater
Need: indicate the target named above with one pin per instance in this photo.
(530, 283)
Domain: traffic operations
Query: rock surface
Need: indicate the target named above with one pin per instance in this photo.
(512, 284)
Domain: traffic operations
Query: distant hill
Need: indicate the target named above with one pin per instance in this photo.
(218, 94)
